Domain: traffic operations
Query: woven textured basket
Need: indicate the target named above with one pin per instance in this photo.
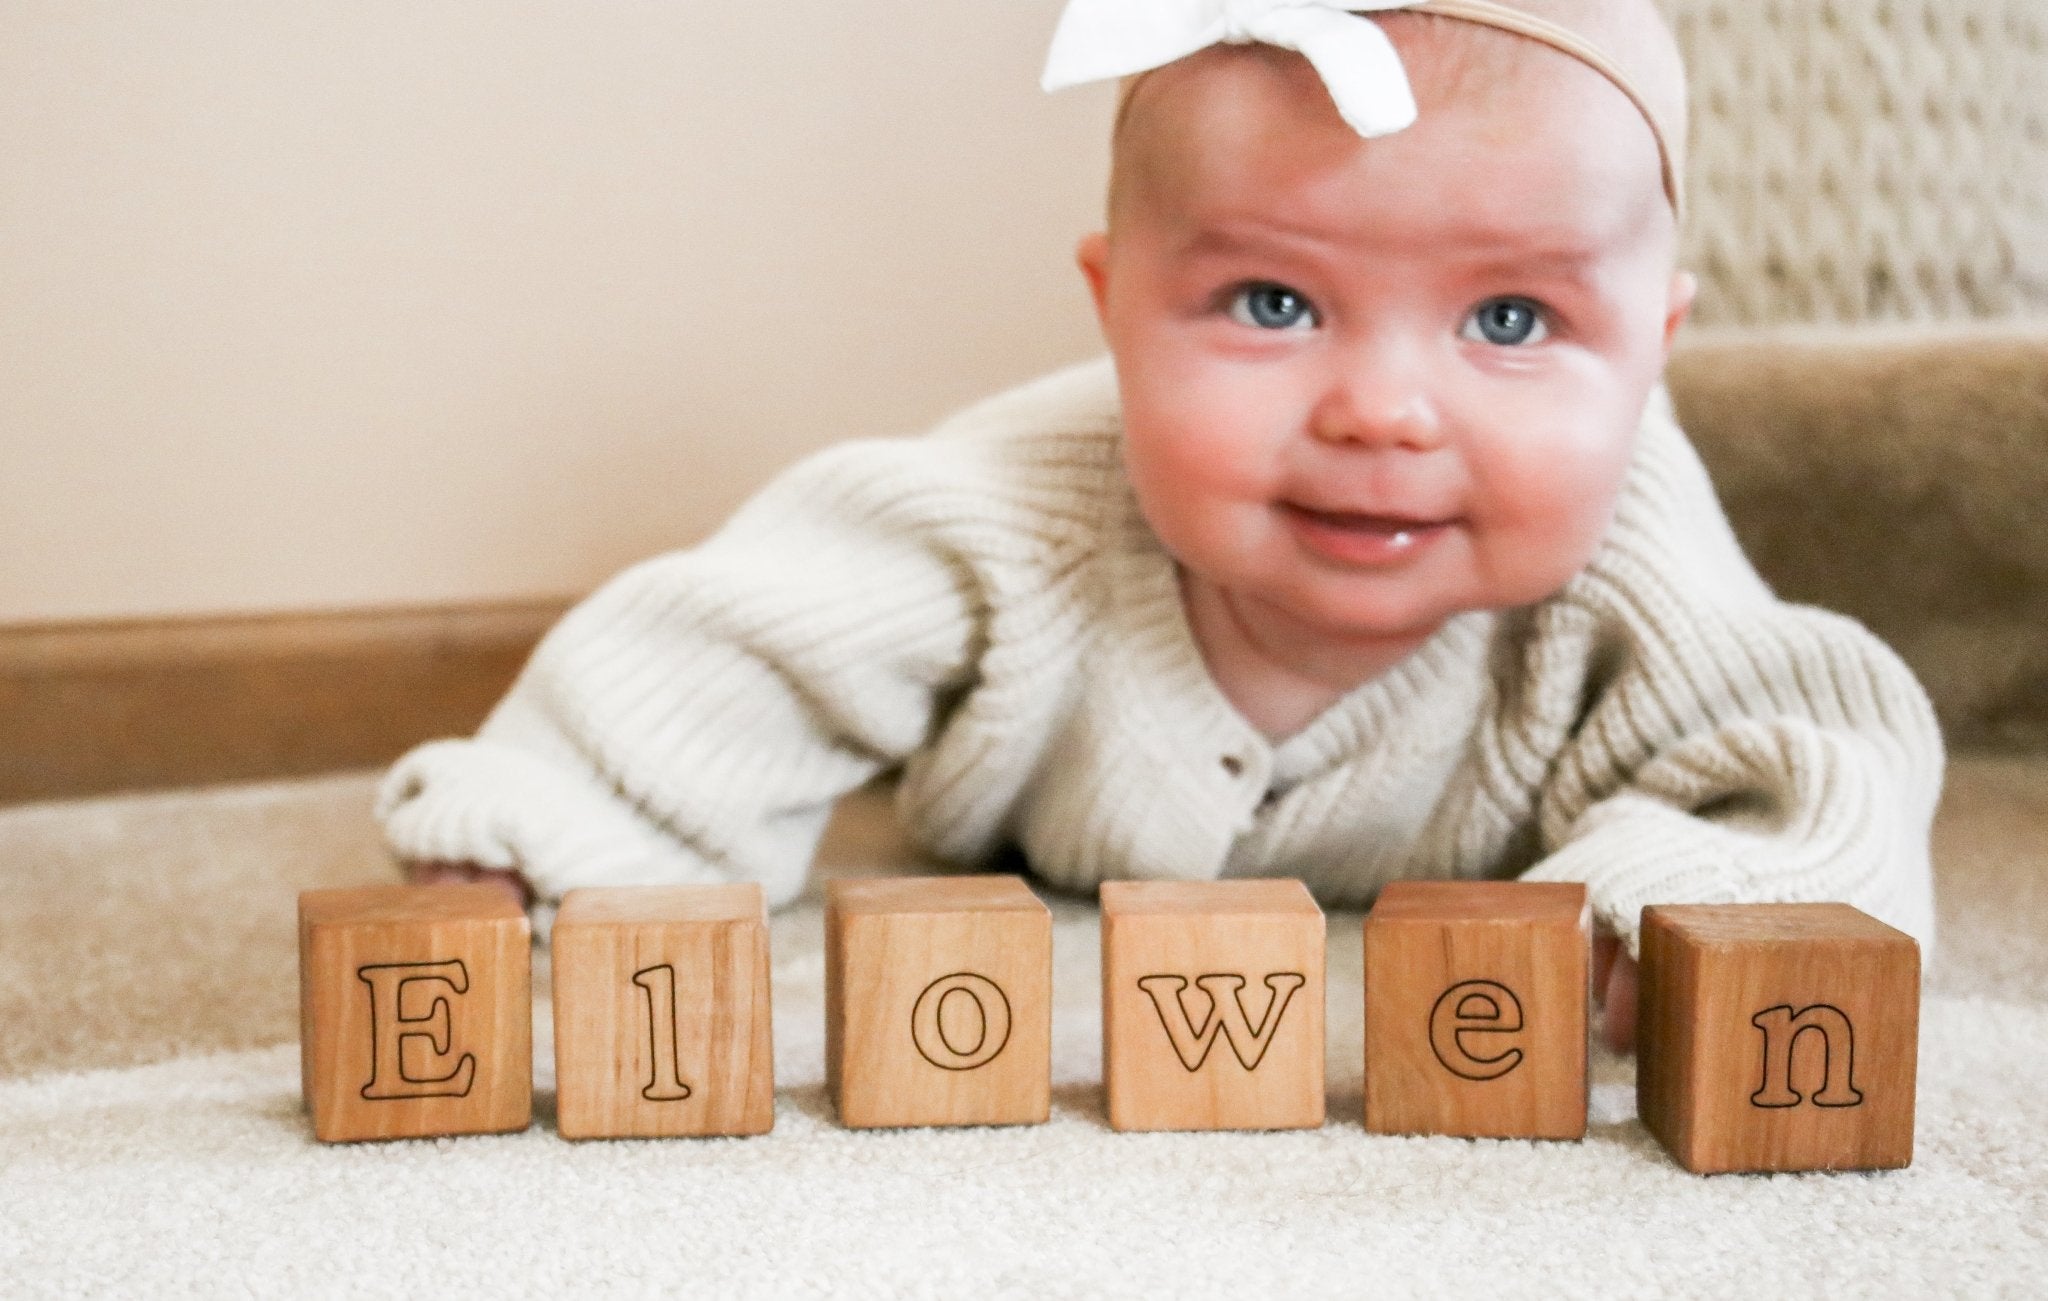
(1866, 160)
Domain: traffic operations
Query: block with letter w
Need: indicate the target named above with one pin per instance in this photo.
(1226, 1017)
(1188, 963)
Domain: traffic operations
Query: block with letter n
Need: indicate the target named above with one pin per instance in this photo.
(416, 1011)
(1212, 1005)
(1475, 1009)
(662, 1021)
(1777, 1037)
(938, 1001)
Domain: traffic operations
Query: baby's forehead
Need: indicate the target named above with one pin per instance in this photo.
(1487, 99)
(1244, 137)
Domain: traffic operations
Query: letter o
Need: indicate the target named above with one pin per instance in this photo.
(930, 1037)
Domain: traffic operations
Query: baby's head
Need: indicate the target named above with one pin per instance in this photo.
(1369, 383)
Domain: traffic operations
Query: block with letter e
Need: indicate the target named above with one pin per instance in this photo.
(938, 1001)
(1212, 1005)
(662, 1021)
(1777, 1037)
(415, 1011)
(1475, 1009)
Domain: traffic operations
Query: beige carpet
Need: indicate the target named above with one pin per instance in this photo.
(151, 1138)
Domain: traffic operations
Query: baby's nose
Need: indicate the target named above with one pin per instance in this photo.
(1380, 405)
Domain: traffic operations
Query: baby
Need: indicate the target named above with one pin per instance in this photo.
(1373, 550)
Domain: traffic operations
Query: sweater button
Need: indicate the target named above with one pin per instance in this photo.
(1233, 765)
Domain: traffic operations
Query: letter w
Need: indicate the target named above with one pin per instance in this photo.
(1226, 1015)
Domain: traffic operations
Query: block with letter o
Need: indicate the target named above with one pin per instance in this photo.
(938, 1001)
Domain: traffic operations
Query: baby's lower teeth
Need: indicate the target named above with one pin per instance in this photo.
(1398, 536)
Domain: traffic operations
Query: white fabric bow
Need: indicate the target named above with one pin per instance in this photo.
(1100, 39)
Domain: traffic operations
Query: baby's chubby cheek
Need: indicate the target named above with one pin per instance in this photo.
(1207, 521)
(1541, 502)
(1204, 486)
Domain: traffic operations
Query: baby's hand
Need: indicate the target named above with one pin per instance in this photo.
(1614, 984)
(444, 873)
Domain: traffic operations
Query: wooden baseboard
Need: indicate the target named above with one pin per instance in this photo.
(91, 708)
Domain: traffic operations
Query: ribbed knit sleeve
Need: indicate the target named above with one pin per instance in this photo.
(1731, 747)
(697, 717)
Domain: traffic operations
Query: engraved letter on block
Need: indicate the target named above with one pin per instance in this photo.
(662, 1023)
(1475, 1009)
(1212, 1005)
(938, 1001)
(416, 1011)
(1778, 1037)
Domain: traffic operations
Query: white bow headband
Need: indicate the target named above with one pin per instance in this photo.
(1100, 39)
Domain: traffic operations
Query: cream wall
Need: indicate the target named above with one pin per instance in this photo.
(306, 306)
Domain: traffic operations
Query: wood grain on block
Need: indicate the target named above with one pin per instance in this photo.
(1212, 1005)
(662, 1022)
(1475, 1009)
(938, 1001)
(1778, 1037)
(416, 1011)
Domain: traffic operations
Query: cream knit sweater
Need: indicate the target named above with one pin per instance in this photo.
(985, 608)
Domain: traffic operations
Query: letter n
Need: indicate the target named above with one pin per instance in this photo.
(1781, 1028)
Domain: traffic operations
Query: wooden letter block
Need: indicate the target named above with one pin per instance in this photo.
(662, 1020)
(938, 1001)
(1475, 1009)
(415, 1011)
(1778, 1037)
(1212, 1005)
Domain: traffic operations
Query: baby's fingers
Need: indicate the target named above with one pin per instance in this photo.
(1618, 1008)
(447, 873)
(1606, 945)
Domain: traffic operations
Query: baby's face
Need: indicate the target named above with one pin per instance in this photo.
(1369, 384)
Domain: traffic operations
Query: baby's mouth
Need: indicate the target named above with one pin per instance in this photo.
(1391, 526)
(1362, 538)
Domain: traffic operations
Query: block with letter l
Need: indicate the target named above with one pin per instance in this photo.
(415, 1011)
(1475, 1009)
(1777, 1037)
(938, 1001)
(662, 1020)
(1212, 1005)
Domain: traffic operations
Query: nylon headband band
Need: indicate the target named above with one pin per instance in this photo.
(1487, 13)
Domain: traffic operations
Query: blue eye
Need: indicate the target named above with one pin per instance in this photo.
(1267, 306)
(1508, 323)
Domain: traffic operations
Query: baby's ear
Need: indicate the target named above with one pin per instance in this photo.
(1685, 287)
(1092, 253)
